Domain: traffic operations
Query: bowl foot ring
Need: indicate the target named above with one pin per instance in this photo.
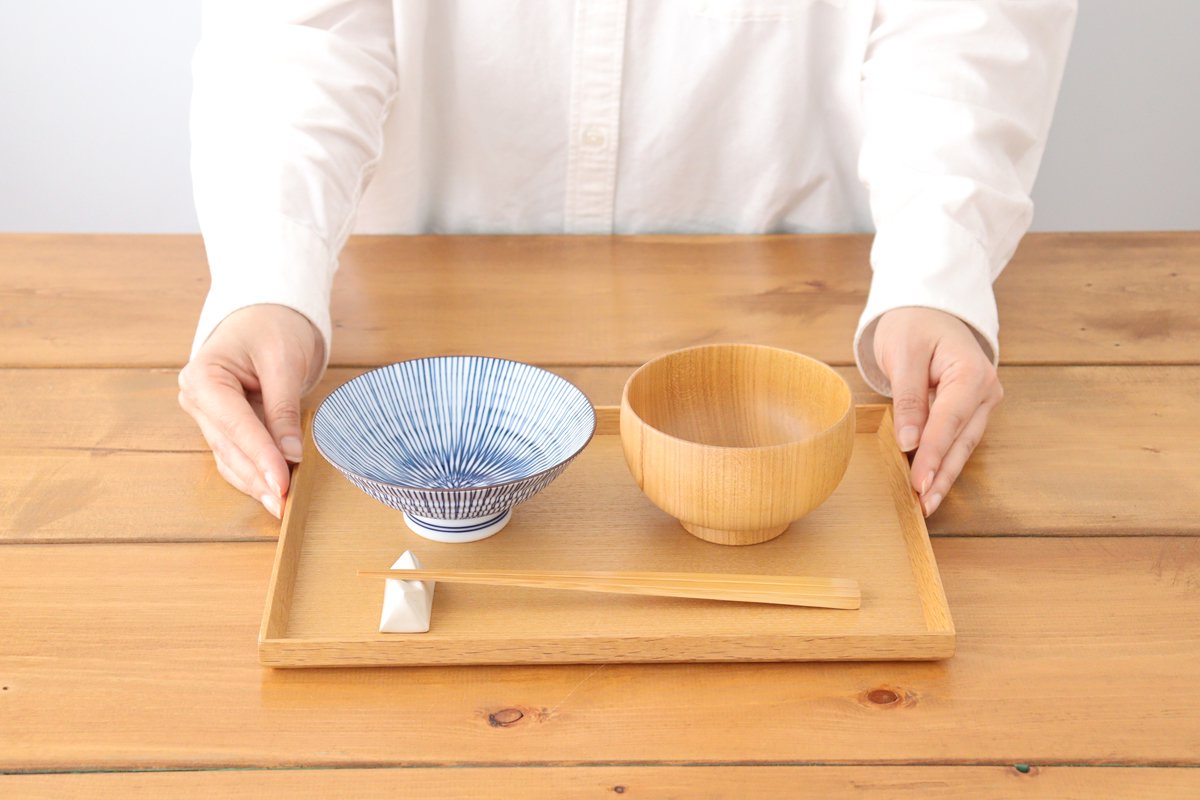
(733, 537)
(455, 531)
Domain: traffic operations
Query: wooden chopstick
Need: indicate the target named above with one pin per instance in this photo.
(789, 590)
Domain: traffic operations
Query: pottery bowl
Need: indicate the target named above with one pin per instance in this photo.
(454, 441)
(737, 441)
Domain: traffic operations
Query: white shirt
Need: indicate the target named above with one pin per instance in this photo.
(924, 120)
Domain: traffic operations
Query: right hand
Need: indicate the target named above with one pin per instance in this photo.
(926, 354)
(243, 389)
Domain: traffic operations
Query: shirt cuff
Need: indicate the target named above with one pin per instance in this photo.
(294, 268)
(950, 272)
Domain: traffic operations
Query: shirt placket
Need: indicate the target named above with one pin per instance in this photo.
(594, 115)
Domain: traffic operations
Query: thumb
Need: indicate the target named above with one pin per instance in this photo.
(281, 389)
(907, 367)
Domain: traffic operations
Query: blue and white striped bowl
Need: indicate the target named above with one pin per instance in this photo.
(454, 441)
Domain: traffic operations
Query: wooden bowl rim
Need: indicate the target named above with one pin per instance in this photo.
(823, 433)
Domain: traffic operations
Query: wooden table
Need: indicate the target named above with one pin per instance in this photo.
(132, 578)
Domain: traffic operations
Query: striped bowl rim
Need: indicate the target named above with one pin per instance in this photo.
(450, 490)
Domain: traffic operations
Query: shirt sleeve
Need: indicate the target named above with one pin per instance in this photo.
(957, 99)
(288, 105)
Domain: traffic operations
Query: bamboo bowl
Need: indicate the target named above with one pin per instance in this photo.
(737, 441)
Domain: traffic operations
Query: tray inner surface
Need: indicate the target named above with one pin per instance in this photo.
(594, 517)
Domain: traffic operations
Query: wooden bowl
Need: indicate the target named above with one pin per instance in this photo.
(737, 441)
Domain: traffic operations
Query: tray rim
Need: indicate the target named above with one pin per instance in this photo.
(937, 642)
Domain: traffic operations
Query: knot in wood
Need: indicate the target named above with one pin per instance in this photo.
(882, 697)
(505, 717)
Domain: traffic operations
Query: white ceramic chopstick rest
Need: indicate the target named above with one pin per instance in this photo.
(407, 605)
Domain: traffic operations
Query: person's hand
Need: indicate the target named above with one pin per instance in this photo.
(927, 354)
(243, 389)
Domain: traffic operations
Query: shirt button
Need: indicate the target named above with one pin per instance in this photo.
(595, 137)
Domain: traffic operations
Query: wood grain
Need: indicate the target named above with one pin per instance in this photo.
(1080, 451)
(95, 409)
(1072, 451)
(735, 441)
(98, 495)
(564, 783)
(595, 300)
(914, 529)
(99, 300)
(283, 571)
(1071, 651)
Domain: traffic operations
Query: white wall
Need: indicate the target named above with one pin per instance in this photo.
(93, 115)
(93, 132)
(1124, 153)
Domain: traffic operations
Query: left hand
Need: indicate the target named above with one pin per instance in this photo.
(927, 352)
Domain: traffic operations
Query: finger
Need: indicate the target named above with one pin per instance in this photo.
(909, 374)
(232, 478)
(217, 395)
(270, 502)
(256, 405)
(958, 398)
(956, 458)
(280, 388)
(233, 464)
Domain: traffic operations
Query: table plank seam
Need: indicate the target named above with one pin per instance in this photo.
(103, 451)
(175, 366)
(129, 540)
(635, 764)
(979, 537)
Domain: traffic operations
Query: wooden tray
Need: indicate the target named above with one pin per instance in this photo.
(320, 613)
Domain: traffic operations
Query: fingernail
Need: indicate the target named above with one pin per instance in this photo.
(274, 485)
(272, 504)
(925, 484)
(909, 436)
(290, 446)
(931, 505)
